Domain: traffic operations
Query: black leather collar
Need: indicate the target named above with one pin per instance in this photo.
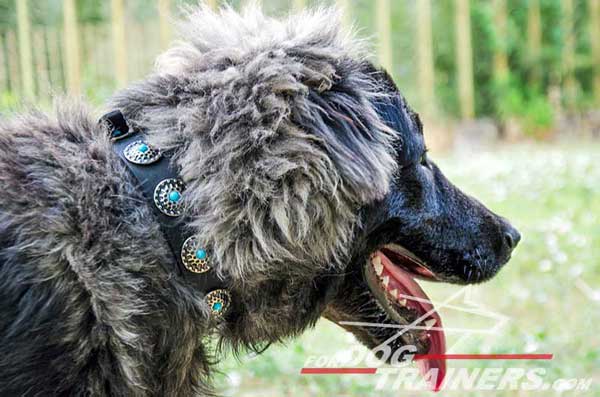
(161, 186)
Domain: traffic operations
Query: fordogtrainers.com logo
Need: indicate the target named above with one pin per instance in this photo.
(400, 373)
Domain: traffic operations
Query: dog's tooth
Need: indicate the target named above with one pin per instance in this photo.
(430, 323)
(394, 293)
(377, 265)
(386, 280)
(402, 302)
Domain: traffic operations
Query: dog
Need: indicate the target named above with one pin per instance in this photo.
(307, 182)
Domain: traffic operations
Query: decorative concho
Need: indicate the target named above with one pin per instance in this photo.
(168, 196)
(194, 257)
(139, 152)
(219, 301)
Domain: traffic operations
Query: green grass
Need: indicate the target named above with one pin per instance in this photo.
(552, 194)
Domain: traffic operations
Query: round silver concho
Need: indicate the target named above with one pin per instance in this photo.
(141, 153)
(194, 257)
(168, 196)
(218, 301)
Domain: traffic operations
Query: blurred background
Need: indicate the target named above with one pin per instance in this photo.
(509, 91)
(518, 68)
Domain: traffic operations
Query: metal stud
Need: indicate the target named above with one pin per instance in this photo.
(168, 196)
(194, 257)
(142, 153)
(218, 301)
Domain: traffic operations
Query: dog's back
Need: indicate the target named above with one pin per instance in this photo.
(79, 269)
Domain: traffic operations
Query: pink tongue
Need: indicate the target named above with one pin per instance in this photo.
(434, 359)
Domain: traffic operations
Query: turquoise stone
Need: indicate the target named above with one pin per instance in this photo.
(143, 148)
(217, 306)
(200, 254)
(174, 196)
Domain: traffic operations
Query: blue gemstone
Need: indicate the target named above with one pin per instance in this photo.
(143, 148)
(174, 196)
(200, 254)
(217, 306)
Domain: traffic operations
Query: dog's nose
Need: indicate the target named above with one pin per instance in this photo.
(512, 237)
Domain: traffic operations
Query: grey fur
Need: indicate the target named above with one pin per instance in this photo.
(250, 105)
(254, 147)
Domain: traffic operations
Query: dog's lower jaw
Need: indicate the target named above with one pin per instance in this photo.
(355, 306)
(373, 337)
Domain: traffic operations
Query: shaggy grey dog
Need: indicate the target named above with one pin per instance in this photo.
(275, 130)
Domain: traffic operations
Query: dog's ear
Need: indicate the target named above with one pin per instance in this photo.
(281, 162)
(275, 134)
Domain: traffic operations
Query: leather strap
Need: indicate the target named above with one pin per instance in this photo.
(148, 177)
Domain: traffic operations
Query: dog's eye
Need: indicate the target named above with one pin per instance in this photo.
(423, 160)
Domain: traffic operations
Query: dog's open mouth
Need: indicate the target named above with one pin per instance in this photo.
(390, 274)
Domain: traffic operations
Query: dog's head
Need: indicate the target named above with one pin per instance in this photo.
(308, 178)
(424, 228)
